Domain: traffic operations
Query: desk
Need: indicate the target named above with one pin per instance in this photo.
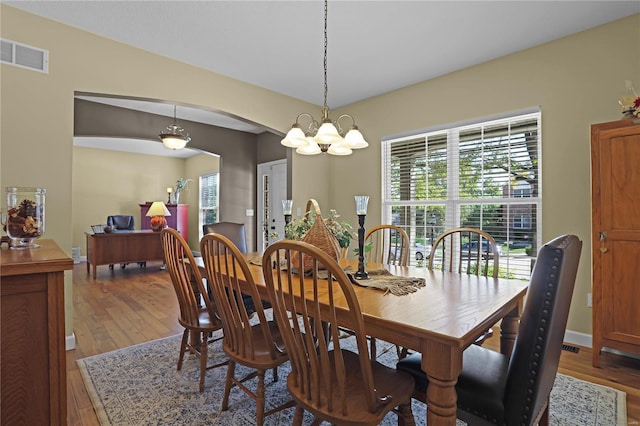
(122, 247)
(441, 320)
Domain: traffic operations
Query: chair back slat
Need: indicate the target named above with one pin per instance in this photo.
(179, 260)
(307, 308)
(465, 250)
(389, 245)
(230, 281)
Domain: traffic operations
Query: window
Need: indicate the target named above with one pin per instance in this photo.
(484, 175)
(208, 200)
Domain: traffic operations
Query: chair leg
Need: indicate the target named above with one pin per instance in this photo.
(372, 348)
(231, 371)
(203, 360)
(260, 399)
(405, 415)
(297, 416)
(275, 374)
(544, 418)
(183, 347)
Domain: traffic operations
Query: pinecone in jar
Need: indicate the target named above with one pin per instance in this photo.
(21, 222)
(27, 208)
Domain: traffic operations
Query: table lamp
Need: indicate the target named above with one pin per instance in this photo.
(157, 212)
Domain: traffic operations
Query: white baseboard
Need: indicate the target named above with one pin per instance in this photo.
(70, 342)
(586, 340)
(577, 338)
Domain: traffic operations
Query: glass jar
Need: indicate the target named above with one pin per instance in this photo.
(25, 216)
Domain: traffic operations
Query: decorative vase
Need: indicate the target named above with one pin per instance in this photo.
(25, 216)
(176, 197)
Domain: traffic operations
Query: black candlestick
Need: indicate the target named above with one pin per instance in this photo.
(361, 274)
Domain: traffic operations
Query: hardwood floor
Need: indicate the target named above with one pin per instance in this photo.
(129, 306)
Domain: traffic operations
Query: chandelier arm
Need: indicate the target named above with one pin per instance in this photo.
(337, 122)
(313, 123)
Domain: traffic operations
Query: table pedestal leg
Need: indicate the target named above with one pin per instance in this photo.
(509, 330)
(443, 366)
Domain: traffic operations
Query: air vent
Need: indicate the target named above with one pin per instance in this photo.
(571, 348)
(24, 56)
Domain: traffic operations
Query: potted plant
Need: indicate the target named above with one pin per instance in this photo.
(181, 185)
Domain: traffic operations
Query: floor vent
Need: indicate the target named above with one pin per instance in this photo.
(571, 348)
(24, 56)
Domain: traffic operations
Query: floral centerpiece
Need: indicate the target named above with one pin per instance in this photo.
(181, 185)
(297, 228)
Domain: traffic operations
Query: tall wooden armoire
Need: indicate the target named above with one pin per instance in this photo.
(615, 192)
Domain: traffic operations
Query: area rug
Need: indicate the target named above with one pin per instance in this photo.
(140, 385)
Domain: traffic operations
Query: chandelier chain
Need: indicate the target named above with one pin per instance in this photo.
(326, 90)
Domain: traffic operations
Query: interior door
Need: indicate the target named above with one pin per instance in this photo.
(616, 236)
(272, 189)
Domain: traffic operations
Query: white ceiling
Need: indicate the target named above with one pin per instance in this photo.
(373, 46)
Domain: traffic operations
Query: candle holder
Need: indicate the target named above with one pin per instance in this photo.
(169, 190)
(361, 209)
(287, 208)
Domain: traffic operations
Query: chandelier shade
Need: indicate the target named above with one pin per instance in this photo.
(326, 136)
(174, 136)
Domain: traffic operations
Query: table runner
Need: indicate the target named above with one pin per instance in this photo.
(380, 279)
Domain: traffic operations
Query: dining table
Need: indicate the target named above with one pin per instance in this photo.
(438, 320)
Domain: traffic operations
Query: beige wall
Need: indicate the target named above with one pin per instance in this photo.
(109, 182)
(576, 82)
(197, 166)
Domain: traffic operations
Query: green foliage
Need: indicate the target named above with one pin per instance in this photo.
(182, 184)
(298, 228)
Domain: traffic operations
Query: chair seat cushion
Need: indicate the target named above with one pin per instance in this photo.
(481, 384)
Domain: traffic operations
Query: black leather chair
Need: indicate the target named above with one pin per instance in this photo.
(121, 222)
(493, 389)
(233, 231)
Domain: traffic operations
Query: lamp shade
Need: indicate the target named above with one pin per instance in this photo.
(158, 209)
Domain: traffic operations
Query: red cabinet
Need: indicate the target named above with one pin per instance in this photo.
(178, 220)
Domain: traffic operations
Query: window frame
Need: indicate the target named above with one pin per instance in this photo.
(203, 209)
(454, 202)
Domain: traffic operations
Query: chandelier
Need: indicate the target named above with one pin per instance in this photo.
(327, 136)
(174, 136)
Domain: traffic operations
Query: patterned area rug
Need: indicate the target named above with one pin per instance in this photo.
(140, 385)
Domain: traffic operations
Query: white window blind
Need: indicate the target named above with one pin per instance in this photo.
(485, 175)
(209, 185)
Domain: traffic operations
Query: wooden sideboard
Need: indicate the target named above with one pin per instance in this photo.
(33, 361)
(122, 247)
(178, 220)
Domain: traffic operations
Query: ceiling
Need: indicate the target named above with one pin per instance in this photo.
(373, 46)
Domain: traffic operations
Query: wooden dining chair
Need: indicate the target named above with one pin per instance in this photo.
(256, 344)
(495, 389)
(331, 382)
(389, 244)
(199, 321)
(466, 251)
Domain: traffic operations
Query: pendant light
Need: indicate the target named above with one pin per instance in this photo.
(174, 136)
(326, 136)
